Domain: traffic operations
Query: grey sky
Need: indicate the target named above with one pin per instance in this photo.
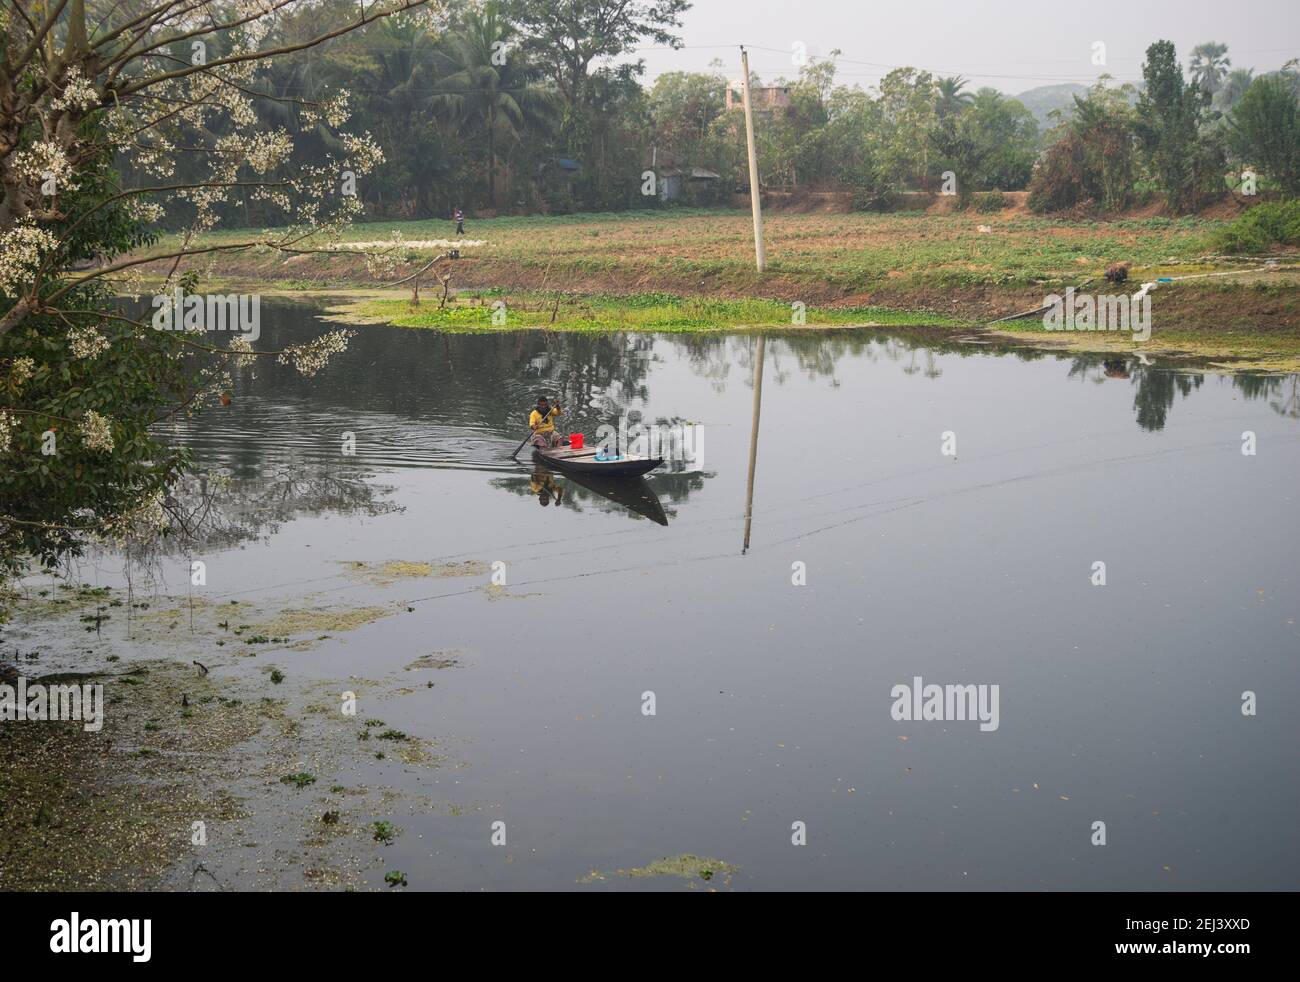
(1011, 45)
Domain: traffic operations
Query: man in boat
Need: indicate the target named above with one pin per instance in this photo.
(540, 420)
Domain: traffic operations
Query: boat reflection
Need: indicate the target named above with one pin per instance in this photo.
(550, 487)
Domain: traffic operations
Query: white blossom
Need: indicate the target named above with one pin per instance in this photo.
(22, 249)
(21, 371)
(145, 211)
(141, 524)
(96, 432)
(310, 358)
(262, 152)
(336, 110)
(244, 356)
(86, 342)
(79, 93)
(42, 161)
(364, 153)
(383, 264)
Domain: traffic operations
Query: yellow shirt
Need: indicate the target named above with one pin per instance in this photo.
(540, 425)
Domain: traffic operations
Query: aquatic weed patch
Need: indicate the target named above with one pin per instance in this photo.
(686, 866)
(662, 313)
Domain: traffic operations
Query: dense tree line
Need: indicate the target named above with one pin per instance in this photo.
(521, 106)
(1186, 138)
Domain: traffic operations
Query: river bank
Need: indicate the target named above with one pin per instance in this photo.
(693, 271)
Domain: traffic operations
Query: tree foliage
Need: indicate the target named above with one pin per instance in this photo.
(114, 113)
(1093, 161)
(1184, 157)
(1264, 131)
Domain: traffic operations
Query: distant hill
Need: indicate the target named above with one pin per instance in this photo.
(1045, 98)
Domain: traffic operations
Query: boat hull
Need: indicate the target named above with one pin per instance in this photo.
(584, 462)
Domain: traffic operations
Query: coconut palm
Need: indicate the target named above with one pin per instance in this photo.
(1210, 64)
(950, 99)
(488, 85)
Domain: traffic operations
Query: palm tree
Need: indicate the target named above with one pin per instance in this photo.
(401, 67)
(950, 99)
(1210, 63)
(1234, 87)
(490, 85)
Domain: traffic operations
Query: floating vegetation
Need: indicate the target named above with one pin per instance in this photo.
(291, 621)
(495, 591)
(687, 866)
(393, 571)
(437, 660)
(301, 780)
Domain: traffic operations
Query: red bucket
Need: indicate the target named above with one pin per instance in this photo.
(575, 441)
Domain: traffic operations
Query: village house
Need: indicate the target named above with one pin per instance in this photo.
(763, 98)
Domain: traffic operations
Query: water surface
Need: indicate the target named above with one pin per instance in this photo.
(1118, 703)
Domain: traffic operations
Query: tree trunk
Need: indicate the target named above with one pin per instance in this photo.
(492, 156)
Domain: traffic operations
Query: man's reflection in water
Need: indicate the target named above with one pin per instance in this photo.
(544, 486)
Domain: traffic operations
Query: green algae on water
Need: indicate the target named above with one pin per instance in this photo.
(687, 866)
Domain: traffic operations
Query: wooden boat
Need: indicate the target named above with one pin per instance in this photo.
(584, 462)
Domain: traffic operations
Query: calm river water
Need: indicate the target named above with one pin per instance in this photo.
(772, 698)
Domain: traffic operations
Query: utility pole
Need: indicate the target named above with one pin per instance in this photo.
(755, 204)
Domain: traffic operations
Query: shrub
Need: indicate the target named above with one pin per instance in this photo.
(989, 202)
(1060, 180)
(1262, 228)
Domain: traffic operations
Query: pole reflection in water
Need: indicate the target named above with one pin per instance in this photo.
(753, 439)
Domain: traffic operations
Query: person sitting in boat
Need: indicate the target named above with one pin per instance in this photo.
(540, 420)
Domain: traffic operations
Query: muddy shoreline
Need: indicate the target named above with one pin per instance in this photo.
(214, 768)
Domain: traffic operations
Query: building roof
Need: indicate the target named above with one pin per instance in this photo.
(694, 173)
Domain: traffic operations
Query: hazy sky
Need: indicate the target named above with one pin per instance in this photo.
(1011, 45)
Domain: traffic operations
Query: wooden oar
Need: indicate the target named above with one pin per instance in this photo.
(521, 446)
